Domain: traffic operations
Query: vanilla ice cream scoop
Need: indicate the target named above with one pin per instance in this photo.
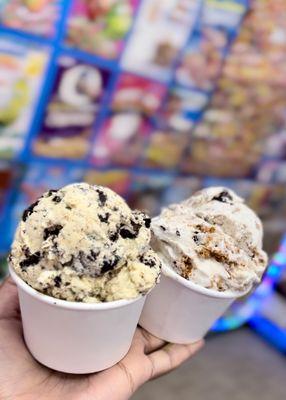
(213, 239)
(83, 243)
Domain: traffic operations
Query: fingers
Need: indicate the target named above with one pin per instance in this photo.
(171, 356)
(9, 304)
(135, 368)
(151, 343)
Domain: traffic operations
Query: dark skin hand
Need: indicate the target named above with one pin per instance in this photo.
(23, 378)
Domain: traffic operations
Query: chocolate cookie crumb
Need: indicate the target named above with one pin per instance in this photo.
(29, 210)
(127, 234)
(147, 222)
(26, 251)
(151, 263)
(162, 227)
(136, 227)
(108, 265)
(58, 281)
(52, 231)
(102, 197)
(94, 255)
(196, 239)
(178, 233)
(223, 197)
(114, 236)
(57, 199)
(69, 263)
(33, 259)
(147, 260)
(88, 259)
(104, 218)
(51, 191)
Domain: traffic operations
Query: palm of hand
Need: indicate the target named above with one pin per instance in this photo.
(24, 378)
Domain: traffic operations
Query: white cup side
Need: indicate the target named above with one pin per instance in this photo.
(75, 340)
(182, 313)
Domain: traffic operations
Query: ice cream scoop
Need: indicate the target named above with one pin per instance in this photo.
(211, 251)
(83, 243)
(212, 239)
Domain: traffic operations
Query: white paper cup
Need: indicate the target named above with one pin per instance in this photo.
(77, 338)
(180, 311)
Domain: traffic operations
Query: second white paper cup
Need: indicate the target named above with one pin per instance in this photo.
(74, 337)
(180, 311)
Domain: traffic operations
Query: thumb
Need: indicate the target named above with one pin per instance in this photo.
(9, 303)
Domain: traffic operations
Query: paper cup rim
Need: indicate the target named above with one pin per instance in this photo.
(170, 273)
(71, 305)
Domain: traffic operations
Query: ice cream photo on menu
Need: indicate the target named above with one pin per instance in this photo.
(142, 199)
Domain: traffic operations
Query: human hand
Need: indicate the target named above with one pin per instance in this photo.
(23, 378)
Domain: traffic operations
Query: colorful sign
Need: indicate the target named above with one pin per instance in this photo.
(39, 17)
(100, 26)
(72, 110)
(22, 69)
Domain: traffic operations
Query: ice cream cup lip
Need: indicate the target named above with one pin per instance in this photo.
(71, 305)
(170, 273)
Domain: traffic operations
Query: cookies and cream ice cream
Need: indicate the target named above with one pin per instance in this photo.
(213, 239)
(83, 243)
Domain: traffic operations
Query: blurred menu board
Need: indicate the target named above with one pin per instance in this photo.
(100, 26)
(161, 29)
(155, 99)
(6, 180)
(71, 110)
(244, 125)
(22, 69)
(34, 16)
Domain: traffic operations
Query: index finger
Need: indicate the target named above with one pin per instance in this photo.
(172, 356)
(151, 342)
